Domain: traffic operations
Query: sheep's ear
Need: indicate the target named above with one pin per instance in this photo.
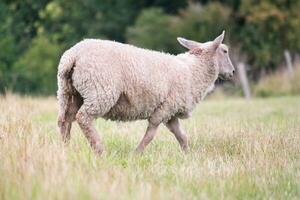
(189, 44)
(218, 40)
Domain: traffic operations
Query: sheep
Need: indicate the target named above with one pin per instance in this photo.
(102, 78)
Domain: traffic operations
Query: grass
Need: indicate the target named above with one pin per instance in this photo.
(279, 83)
(238, 150)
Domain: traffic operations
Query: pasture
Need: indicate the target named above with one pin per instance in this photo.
(238, 150)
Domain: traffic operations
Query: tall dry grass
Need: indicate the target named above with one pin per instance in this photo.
(238, 150)
(279, 83)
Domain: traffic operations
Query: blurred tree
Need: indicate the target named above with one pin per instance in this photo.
(36, 68)
(153, 30)
(63, 22)
(16, 32)
(195, 22)
(168, 6)
(118, 15)
(260, 29)
(20, 18)
(268, 28)
(7, 54)
(67, 22)
(203, 23)
(94, 18)
(259, 19)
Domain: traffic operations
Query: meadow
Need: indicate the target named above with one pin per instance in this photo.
(239, 149)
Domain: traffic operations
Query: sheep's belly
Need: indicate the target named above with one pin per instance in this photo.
(126, 113)
(123, 110)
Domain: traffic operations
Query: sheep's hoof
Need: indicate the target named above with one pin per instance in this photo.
(139, 151)
(98, 151)
(185, 149)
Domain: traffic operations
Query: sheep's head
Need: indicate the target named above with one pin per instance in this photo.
(217, 50)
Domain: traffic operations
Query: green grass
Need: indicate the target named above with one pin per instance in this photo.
(238, 150)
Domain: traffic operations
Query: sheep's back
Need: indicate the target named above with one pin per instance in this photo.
(142, 79)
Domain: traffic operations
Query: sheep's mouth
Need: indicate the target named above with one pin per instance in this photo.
(225, 77)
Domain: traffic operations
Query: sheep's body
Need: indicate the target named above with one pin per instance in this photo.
(100, 78)
(122, 82)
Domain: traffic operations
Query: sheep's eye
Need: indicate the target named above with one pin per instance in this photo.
(225, 51)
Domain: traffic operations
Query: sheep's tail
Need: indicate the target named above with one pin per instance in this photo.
(64, 82)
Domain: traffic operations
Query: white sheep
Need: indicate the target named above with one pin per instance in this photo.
(101, 78)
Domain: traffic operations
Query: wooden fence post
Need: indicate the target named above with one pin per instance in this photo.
(289, 64)
(244, 80)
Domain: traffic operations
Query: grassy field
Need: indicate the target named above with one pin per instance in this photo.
(238, 150)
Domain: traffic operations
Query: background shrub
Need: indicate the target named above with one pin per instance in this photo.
(278, 84)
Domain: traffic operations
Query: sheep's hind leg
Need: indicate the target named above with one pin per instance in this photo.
(85, 122)
(174, 126)
(65, 120)
(65, 129)
(149, 135)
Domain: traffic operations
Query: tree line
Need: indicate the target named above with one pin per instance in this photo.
(33, 34)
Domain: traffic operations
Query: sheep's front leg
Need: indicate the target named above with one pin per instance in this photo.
(85, 122)
(149, 135)
(174, 126)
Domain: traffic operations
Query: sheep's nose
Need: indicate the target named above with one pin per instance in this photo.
(230, 75)
(233, 71)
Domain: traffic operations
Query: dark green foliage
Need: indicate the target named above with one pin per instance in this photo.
(203, 23)
(153, 30)
(35, 70)
(268, 28)
(17, 29)
(33, 34)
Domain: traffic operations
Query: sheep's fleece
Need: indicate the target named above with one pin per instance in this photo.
(122, 82)
(101, 78)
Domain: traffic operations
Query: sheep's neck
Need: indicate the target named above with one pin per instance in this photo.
(204, 74)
